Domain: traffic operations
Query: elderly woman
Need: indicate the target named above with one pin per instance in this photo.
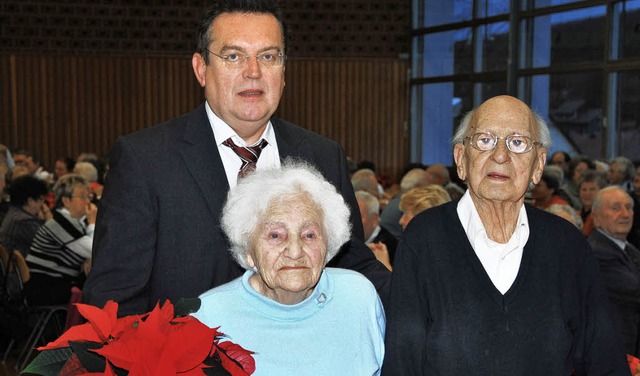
(62, 247)
(420, 199)
(489, 286)
(299, 317)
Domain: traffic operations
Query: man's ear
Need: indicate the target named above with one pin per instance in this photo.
(458, 156)
(199, 68)
(539, 167)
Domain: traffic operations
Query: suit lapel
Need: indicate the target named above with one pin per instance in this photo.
(200, 154)
(290, 144)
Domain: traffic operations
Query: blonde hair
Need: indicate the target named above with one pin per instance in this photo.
(419, 199)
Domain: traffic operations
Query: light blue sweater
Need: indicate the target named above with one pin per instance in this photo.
(337, 330)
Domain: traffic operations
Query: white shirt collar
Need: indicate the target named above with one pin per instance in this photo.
(500, 261)
(618, 242)
(222, 131)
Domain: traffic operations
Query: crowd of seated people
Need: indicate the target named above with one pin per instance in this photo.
(49, 218)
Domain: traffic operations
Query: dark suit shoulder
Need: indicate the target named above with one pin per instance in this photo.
(292, 132)
(172, 129)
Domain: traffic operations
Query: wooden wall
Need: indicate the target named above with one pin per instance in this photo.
(57, 105)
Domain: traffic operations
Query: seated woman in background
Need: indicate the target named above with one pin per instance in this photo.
(420, 199)
(590, 183)
(61, 249)
(26, 214)
(299, 317)
(545, 193)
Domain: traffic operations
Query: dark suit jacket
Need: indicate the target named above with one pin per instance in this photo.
(386, 237)
(158, 232)
(622, 279)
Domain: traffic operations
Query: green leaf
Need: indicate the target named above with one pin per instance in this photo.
(49, 362)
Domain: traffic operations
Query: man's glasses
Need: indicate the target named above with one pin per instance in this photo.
(485, 141)
(268, 59)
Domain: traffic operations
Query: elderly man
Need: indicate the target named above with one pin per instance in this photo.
(489, 286)
(379, 239)
(619, 261)
(158, 230)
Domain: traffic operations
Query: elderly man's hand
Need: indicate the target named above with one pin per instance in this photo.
(382, 253)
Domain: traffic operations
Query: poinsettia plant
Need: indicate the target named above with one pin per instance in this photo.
(157, 343)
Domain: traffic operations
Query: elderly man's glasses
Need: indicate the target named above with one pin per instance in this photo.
(268, 59)
(485, 141)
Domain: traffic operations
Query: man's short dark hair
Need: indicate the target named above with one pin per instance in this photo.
(237, 6)
(25, 187)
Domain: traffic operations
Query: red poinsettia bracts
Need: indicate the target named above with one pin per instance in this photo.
(152, 344)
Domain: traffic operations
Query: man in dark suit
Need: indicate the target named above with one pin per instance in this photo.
(158, 231)
(619, 261)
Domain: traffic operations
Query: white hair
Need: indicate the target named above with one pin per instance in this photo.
(87, 170)
(247, 205)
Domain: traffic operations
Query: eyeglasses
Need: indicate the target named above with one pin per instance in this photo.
(268, 59)
(485, 141)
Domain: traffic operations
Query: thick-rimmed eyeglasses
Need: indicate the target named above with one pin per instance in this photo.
(485, 141)
(268, 59)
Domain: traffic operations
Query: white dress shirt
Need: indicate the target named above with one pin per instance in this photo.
(269, 157)
(500, 261)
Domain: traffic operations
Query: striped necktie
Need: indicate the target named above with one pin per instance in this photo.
(249, 155)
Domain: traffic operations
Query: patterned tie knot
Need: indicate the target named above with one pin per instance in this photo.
(249, 155)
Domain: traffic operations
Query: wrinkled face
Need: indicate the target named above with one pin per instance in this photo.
(79, 201)
(587, 193)
(407, 216)
(615, 217)
(499, 174)
(289, 250)
(244, 97)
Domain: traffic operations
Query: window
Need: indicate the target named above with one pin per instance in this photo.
(576, 63)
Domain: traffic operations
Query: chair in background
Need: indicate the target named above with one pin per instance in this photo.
(44, 315)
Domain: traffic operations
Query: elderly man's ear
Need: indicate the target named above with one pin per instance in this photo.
(540, 162)
(458, 156)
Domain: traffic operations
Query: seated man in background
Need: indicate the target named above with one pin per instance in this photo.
(379, 239)
(619, 261)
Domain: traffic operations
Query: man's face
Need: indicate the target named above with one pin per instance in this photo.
(499, 174)
(246, 96)
(615, 216)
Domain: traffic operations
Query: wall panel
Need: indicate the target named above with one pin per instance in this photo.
(58, 105)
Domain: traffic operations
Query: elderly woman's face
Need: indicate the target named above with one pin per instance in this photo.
(289, 251)
(499, 174)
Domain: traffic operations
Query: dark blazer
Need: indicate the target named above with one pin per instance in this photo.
(386, 237)
(158, 232)
(622, 280)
